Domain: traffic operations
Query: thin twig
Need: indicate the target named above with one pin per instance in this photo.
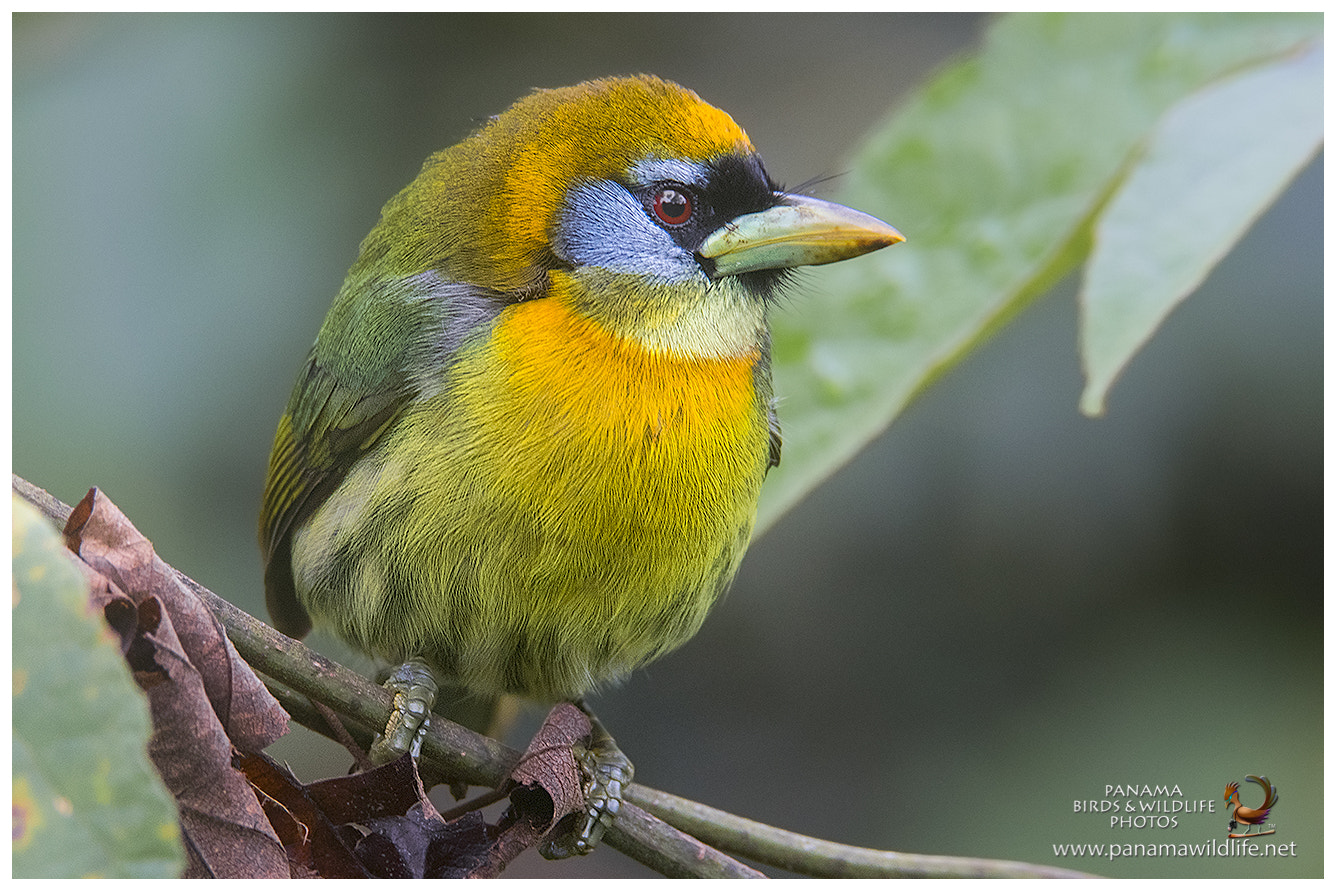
(343, 737)
(815, 857)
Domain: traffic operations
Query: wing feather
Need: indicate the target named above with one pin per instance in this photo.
(313, 451)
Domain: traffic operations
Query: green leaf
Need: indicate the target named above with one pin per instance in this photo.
(1218, 159)
(87, 802)
(996, 172)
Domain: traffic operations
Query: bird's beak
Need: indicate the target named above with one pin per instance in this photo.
(799, 231)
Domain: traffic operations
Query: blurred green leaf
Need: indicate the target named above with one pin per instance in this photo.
(87, 802)
(1218, 159)
(996, 172)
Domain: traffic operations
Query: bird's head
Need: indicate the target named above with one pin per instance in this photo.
(649, 207)
(1231, 792)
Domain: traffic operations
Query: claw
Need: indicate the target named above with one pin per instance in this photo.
(608, 772)
(414, 688)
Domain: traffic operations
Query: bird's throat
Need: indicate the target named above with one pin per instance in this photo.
(679, 321)
(606, 384)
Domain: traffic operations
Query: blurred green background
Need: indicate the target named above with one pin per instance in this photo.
(998, 609)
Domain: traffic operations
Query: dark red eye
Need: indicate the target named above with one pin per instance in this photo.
(672, 206)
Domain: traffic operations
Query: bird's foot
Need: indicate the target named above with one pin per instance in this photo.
(414, 688)
(608, 772)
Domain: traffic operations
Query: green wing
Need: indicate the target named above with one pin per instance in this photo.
(355, 383)
(383, 337)
(327, 426)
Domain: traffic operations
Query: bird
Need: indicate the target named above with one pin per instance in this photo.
(524, 453)
(1252, 816)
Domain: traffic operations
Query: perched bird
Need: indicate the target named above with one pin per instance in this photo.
(1252, 816)
(526, 447)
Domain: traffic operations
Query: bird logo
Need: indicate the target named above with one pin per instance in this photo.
(1250, 816)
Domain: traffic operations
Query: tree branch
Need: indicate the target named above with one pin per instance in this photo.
(814, 857)
(642, 830)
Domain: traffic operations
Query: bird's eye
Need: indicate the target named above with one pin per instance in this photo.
(672, 206)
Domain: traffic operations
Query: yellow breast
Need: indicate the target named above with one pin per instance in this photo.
(581, 501)
(598, 431)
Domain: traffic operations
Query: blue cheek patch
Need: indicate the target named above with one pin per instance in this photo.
(604, 225)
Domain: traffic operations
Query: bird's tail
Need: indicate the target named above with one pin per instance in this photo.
(1271, 792)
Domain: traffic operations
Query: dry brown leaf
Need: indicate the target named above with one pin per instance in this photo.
(549, 787)
(315, 848)
(203, 697)
(373, 824)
